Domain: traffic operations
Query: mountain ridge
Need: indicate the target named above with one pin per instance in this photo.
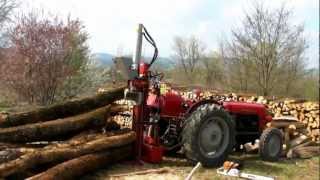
(105, 59)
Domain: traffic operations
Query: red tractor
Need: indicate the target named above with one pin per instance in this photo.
(206, 130)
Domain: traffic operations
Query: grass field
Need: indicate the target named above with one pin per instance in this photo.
(297, 169)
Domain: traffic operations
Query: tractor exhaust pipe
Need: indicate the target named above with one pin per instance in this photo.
(137, 53)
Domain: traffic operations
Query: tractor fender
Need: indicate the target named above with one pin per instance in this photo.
(194, 106)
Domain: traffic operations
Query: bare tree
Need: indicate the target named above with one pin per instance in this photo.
(6, 8)
(292, 71)
(188, 52)
(212, 66)
(238, 67)
(267, 41)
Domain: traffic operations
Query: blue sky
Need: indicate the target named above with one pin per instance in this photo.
(111, 23)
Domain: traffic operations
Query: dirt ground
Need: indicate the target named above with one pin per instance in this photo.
(177, 168)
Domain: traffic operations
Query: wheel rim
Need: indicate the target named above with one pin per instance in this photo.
(274, 146)
(213, 137)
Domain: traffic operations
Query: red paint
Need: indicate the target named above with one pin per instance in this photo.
(140, 84)
(152, 153)
(140, 114)
(146, 147)
(249, 108)
(153, 100)
(143, 69)
(171, 104)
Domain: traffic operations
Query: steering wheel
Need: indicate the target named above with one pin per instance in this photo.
(155, 78)
(156, 75)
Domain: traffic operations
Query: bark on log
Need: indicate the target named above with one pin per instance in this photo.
(79, 166)
(79, 140)
(4, 146)
(9, 154)
(31, 145)
(66, 109)
(299, 140)
(306, 152)
(13, 151)
(251, 148)
(48, 130)
(60, 154)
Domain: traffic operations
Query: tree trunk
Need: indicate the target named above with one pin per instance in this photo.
(64, 152)
(69, 108)
(79, 166)
(51, 129)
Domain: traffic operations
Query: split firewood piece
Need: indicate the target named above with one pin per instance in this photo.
(251, 148)
(292, 129)
(62, 110)
(287, 137)
(299, 140)
(59, 154)
(84, 164)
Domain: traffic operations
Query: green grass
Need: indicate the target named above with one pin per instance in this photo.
(297, 169)
(284, 169)
(4, 106)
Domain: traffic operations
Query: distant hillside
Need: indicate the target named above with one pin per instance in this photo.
(105, 59)
(313, 71)
(165, 63)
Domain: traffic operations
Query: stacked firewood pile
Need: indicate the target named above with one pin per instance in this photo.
(305, 112)
(64, 141)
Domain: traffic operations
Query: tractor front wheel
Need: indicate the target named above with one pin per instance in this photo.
(270, 145)
(208, 135)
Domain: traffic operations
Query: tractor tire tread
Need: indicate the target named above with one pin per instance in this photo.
(264, 139)
(190, 130)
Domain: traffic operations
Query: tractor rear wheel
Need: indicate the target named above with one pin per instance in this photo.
(208, 135)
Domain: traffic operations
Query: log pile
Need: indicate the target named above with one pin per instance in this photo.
(64, 141)
(305, 112)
